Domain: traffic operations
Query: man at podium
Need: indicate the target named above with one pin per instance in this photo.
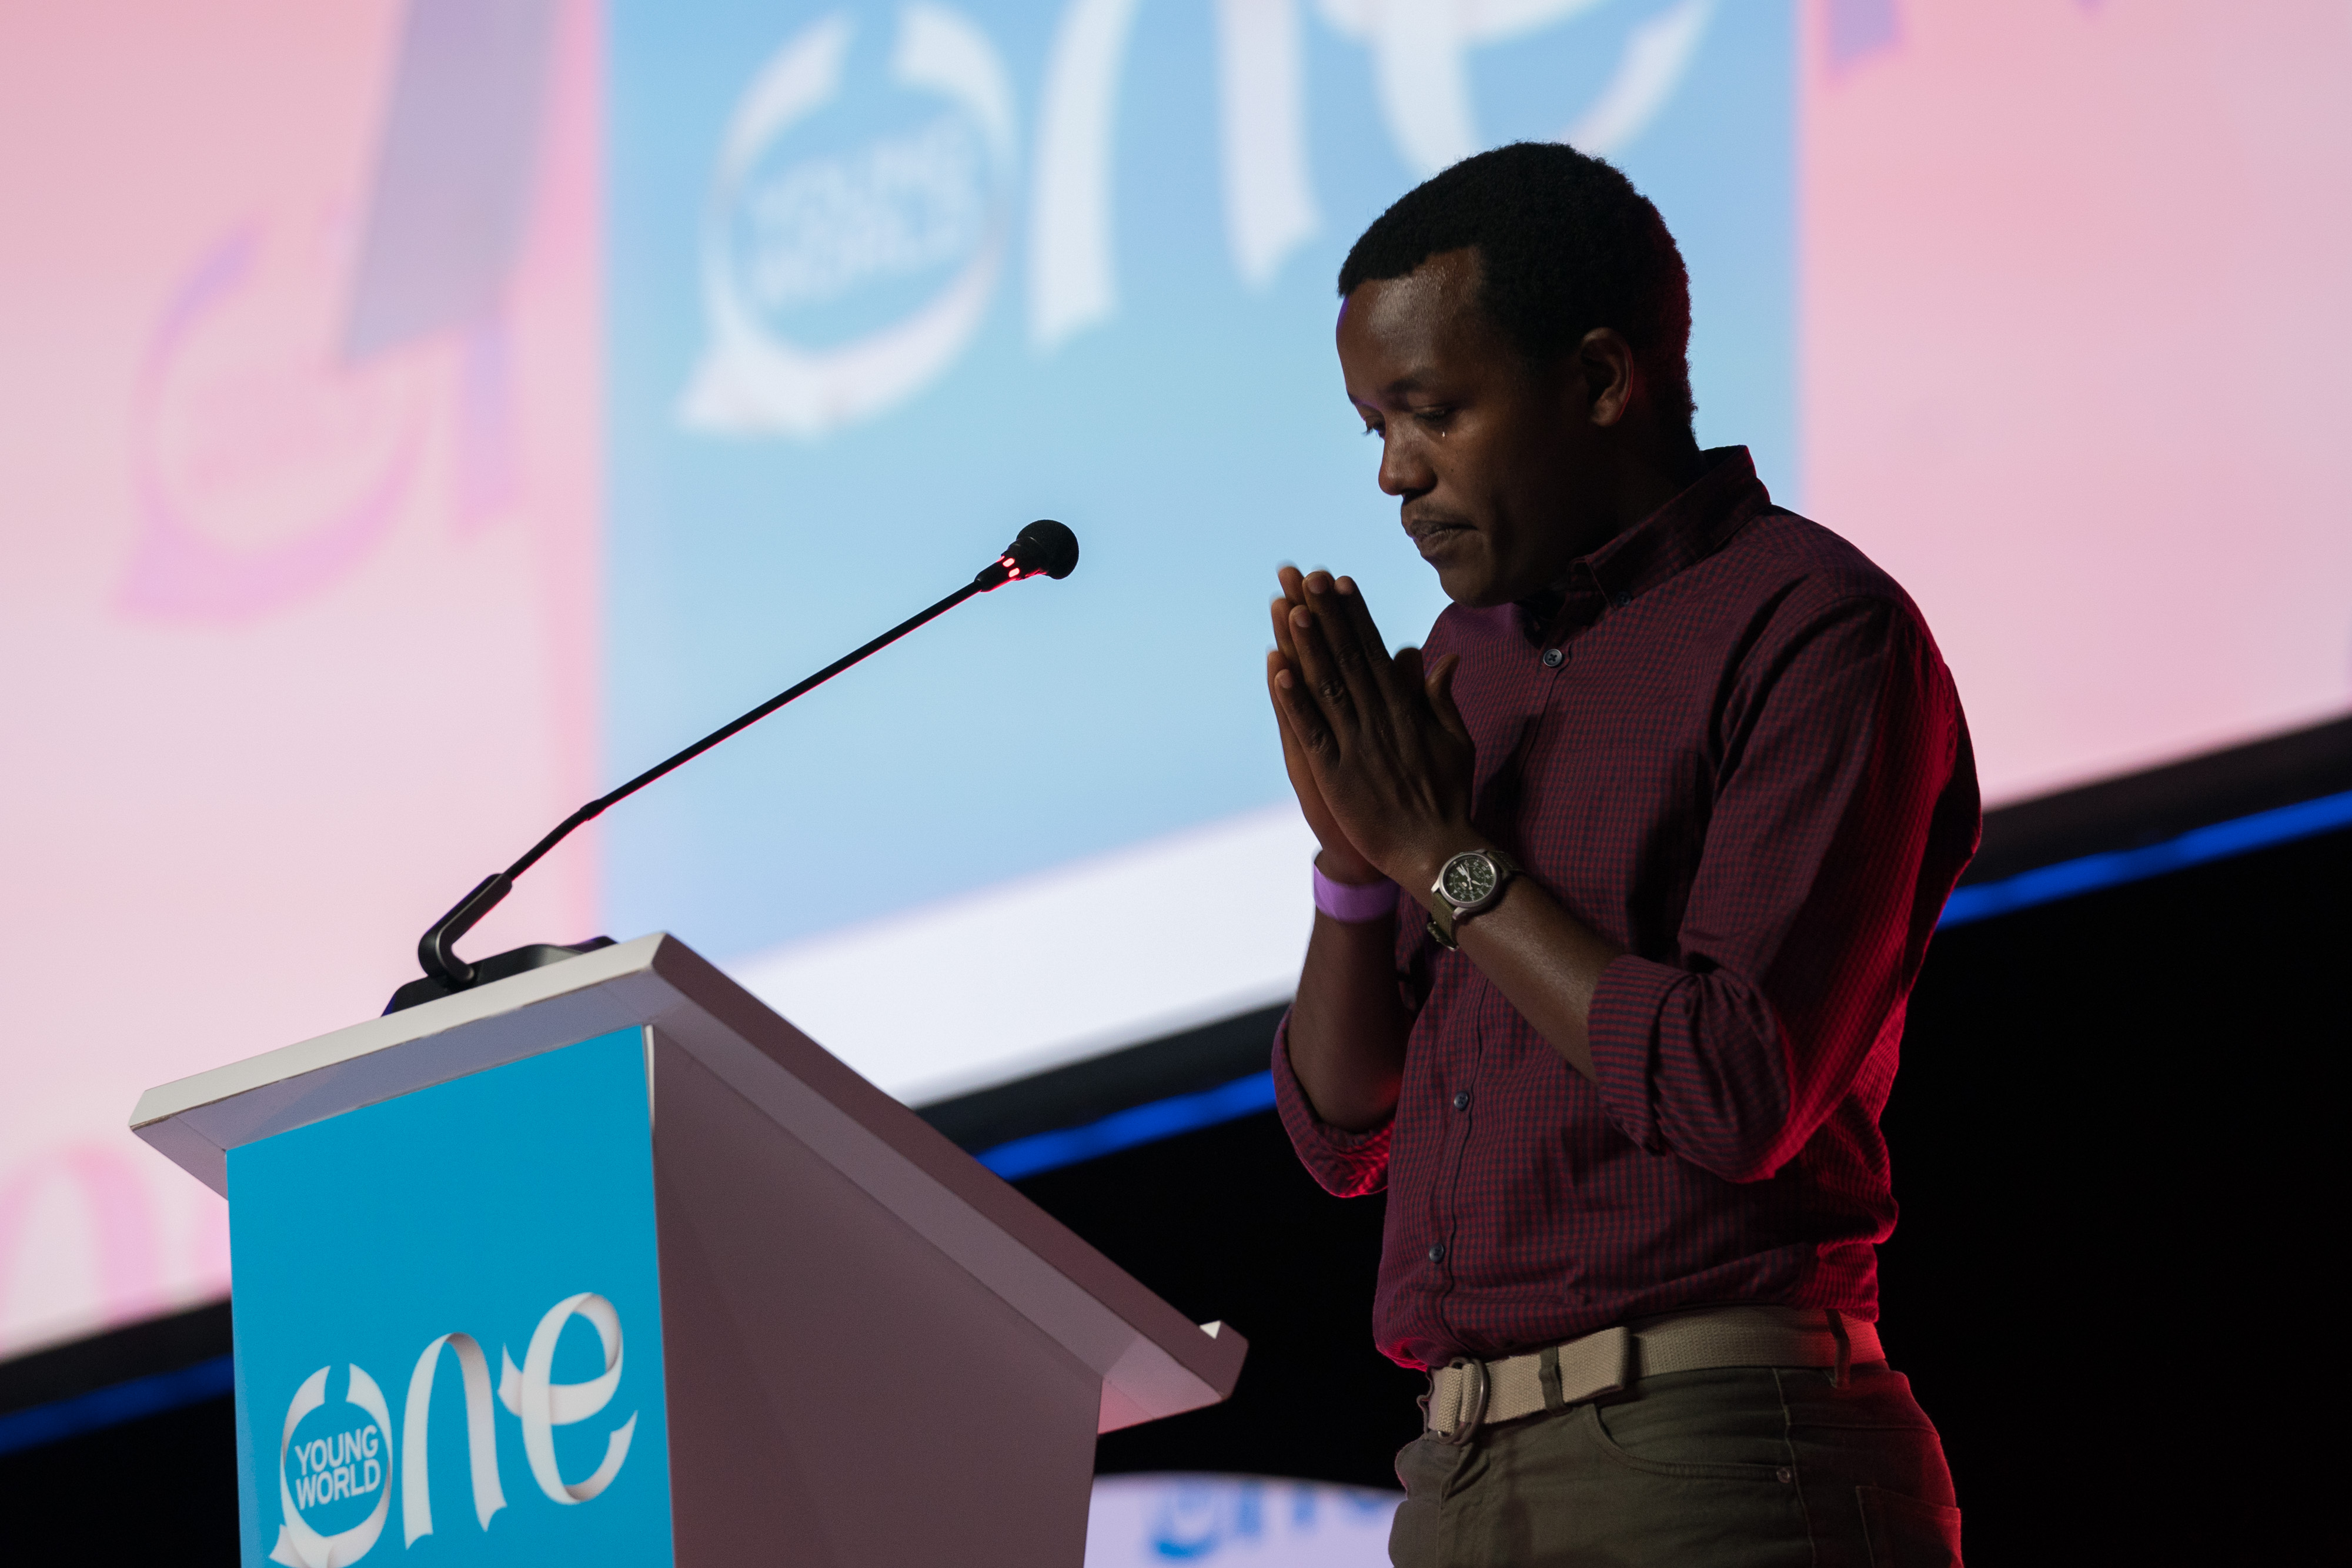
(1624, 881)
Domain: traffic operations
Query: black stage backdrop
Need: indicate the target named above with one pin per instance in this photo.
(2114, 1135)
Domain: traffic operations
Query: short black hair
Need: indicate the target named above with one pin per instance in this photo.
(1565, 245)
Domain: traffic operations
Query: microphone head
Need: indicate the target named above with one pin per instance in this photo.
(1045, 545)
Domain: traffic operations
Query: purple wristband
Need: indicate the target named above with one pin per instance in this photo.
(1354, 903)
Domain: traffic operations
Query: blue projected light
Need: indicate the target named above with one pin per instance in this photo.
(1126, 1129)
(1159, 1119)
(2046, 883)
(1247, 1096)
(111, 1406)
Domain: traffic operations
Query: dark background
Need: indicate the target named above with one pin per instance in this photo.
(2113, 1135)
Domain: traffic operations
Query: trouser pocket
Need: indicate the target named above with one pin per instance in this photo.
(1423, 1466)
(1908, 1532)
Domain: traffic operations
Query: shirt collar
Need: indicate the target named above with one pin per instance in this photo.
(1698, 521)
(1688, 528)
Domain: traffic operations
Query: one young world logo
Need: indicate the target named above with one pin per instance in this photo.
(336, 1469)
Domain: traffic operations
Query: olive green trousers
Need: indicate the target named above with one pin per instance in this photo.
(1759, 1466)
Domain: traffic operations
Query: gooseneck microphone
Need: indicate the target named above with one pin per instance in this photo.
(1044, 548)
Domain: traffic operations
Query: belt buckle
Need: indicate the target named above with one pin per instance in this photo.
(1473, 1404)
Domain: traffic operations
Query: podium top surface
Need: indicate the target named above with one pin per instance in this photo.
(1153, 1361)
(194, 1121)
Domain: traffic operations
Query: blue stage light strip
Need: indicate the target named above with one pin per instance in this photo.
(120, 1402)
(1247, 1096)
(1124, 1130)
(2045, 885)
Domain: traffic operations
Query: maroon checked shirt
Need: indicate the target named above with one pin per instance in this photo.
(1735, 752)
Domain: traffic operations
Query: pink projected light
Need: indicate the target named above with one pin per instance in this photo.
(2075, 326)
(299, 496)
(299, 506)
(265, 470)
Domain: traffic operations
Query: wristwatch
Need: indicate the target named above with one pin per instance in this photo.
(1472, 883)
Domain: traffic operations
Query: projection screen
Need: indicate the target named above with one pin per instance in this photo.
(418, 418)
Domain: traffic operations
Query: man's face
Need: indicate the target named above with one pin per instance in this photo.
(1496, 464)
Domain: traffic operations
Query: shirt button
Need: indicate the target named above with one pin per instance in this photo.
(1437, 1252)
(1620, 599)
(1553, 658)
(1461, 1100)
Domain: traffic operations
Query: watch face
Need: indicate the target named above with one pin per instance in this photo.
(1467, 878)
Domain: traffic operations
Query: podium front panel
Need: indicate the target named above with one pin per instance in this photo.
(448, 1325)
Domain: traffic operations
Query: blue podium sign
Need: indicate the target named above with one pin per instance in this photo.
(448, 1325)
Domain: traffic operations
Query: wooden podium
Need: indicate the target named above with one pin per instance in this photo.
(608, 1262)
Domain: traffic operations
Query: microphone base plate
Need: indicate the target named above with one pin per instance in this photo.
(514, 961)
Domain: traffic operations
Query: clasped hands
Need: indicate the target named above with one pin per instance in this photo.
(1378, 753)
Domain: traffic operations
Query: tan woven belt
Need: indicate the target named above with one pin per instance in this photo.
(1470, 1394)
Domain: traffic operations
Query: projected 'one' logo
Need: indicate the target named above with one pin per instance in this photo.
(334, 1462)
(852, 238)
(266, 463)
(845, 261)
(335, 1457)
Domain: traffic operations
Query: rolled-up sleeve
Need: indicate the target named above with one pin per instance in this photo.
(1347, 1165)
(1807, 915)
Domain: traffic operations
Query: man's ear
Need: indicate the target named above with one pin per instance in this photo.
(1610, 375)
